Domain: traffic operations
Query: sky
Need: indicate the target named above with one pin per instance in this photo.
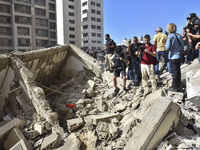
(128, 18)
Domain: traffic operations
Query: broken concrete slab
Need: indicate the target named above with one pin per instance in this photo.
(22, 145)
(39, 127)
(121, 106)
(105, 117)
(14, 137)
(193, 87)
(90, 84)
(159, 119)
(7, 127)
(102, 130)
(51, 142)
(71, 143)
(113, 129)
(75, 123)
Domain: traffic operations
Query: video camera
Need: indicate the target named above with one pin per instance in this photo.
(192, 15)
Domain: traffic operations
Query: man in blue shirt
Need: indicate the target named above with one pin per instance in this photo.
(175, 45)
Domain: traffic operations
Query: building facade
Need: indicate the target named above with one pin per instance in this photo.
(27, 24)
(83, 23)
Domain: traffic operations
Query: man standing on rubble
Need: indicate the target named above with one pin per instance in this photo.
(132, 49)
(119, 67)
(147, 64)
(159, 40)
(109, 49)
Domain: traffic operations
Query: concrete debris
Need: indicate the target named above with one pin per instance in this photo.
(14, 137)
(76, 109)
(102, 117)
(71, 143)
(51, 142)
(73, 124)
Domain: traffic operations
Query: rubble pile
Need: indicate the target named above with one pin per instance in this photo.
(81, 113)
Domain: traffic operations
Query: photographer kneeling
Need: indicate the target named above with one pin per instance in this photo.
(119, 67)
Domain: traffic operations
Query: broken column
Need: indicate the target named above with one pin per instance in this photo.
(159, 119)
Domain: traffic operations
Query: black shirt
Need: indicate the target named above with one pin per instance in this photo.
(134, 48)
(110, 42)
(120, 63)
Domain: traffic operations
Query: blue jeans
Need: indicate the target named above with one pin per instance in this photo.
(165, 56)
(130, 73)
(136, 71)
(199, 56)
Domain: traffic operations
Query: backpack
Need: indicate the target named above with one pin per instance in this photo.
(155, 60)
(113, 49)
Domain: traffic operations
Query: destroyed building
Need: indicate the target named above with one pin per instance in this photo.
(60, 98)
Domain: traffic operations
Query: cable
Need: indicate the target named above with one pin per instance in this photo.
(11, 91)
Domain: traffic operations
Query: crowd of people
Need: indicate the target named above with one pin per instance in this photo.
(142, 60)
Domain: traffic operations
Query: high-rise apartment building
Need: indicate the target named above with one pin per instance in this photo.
(27, 24)
(83, 23)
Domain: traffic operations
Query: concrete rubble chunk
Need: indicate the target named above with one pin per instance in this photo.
(105, 117)
(161, 116)
(193, 87)
(71, 143)
(39, 127)
(121, 106)
(13, 138)
(102, 130)
(7, 127)
(22, 145)
(75, 123)
(113, 129)
(51, 142)
(90, 84)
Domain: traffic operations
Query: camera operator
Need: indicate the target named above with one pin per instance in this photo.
(119, 67)
(147, 64)
(132, 49)
(109, 49)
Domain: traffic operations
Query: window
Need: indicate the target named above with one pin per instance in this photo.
(85, 34)
(5, 42)
(71, 14)
(40, 12)
(99, 42)
(72, 21)
(93, 11)
(42, 43)
(5, 31)
(92, 3)
(99, 48)
(23, 31)
(98, 20)
(93, 48)
(98, 35)
(85, 27)
(53, 35)
(72, 36)
(93, 19)
(52, 7)
(22, 9)
(85, 42)
(98, 12)
(93, 41)
(22, 20)
(72, 42)
(98, 5)
(23, 42)
(98, 27)
(52, 16)
(84, 11)
(71, 6)
(41, 22)
(41, 33)
(26, 1)
(5, 19)
(84, 4)
(53, 42)
(71, 29)
(52, 25)
(93, 34)
(93, 26)
(4, 8)
(40, 2)
(71, 0)
(5, 0)
(85, 19)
